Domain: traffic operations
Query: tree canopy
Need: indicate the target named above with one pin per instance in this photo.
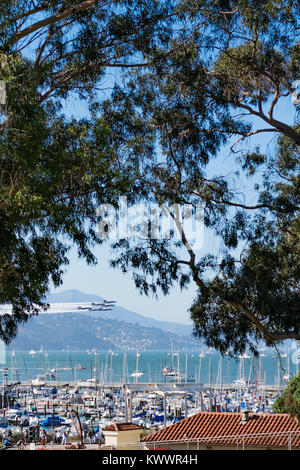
(55, 169)
(197, 81)
(174, 119)
(289, 401)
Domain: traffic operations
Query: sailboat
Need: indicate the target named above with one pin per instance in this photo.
(39, 380)
(69, 366)
(136, 373)
(169, 372)
(245, 356)
(172, 372)
(287, 375)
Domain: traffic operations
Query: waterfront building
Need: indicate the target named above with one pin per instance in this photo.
(122, 436)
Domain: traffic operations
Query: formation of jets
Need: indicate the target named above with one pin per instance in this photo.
(102, 306)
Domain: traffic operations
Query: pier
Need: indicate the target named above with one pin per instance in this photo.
(146, 386)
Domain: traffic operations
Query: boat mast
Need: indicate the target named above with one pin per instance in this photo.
(209, 372)
(137, 367)
(250, 371)
(125, 373)
(220, 374)
(199, 373)
(111, 368)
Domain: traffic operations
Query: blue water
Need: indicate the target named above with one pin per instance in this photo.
(117, 368)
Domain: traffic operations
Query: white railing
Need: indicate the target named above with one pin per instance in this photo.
(288, 440)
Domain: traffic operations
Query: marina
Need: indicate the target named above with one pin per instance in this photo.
(149, 389)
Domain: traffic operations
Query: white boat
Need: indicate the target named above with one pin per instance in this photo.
(169, 372)
(137, 374)
(241, 382)
(33, 420)
(32, 352)
(92, 380)
(39, 380)
(112, 353)
(49, 375)
(12, 413)
(245, 356)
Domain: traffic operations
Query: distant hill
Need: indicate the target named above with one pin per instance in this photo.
(118, 313)
(72, 295)
(77, 331)
(117, 329)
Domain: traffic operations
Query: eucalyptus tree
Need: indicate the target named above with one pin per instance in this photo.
(198, 69)
(54, 169)
(229, 74)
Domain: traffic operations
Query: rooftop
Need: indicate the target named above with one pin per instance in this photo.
(225, 428)
(122, 427)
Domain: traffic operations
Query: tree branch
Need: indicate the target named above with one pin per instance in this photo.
(54, 19)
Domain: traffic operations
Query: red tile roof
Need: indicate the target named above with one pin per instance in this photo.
(122, 427)
(225, 428)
